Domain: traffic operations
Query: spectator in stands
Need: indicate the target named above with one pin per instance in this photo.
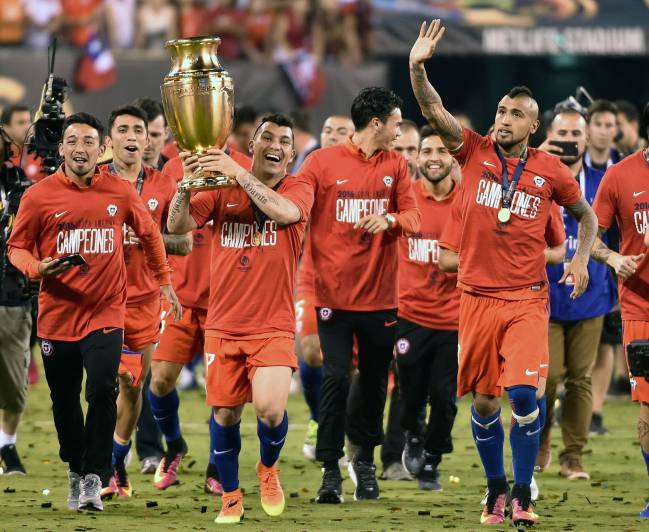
(43, 18)
(12, 22)
(245, 119)
(82, 19)
(304, 142)
(338, 30)
(157, 22)
(120, 19)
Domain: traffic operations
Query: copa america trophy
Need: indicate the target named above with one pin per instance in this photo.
(198, 100)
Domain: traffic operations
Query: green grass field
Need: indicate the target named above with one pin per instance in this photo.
(609, 501)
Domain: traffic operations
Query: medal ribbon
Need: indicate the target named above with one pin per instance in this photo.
(507, 187)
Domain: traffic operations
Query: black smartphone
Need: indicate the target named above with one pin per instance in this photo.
(75, 259)
(570, 149)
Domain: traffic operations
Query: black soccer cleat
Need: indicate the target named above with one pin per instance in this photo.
(11, 464)
(363, 475)
(331, 489)
(429, 478)
(413, 456)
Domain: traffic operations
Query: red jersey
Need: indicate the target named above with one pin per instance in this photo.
(428, 296)
(357, 270)
(305, 272)
(252, 286)
(506, 260)
(623, 195)
(156, 194)
(190, 277)
(57, 218)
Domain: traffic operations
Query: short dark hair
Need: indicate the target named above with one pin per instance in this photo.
(427, 131)
(88, 119)
(409, 124)
(520, 90)
(8, 113)
(601, 106)
(301, 118)
(276, 118)
(130, 110)
(373, 102)
(244, 114)
(152, 109)
(629, 110)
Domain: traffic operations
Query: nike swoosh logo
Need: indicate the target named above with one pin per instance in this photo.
(533, 432)
(278, 442)
(341, 181)
(487, 163)
(636, 194)
(59, 214)
(528, 372)
(217, 453)
(230, 205)
(108, 330)
(483, 439)
(390, 323)
(543, 365)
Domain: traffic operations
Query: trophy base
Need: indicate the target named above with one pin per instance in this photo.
(206, 181)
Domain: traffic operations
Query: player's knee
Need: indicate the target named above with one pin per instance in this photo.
(486, 405)
(311, 351)
(524, 404)
(227, 416)
(162, 383)
(270, 413)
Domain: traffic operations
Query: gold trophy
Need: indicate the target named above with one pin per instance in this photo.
(198, 100)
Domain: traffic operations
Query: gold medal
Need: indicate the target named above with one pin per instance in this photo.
(504, 215)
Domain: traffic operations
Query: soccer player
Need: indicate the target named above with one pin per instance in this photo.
(180, 341)
(602, 130)
(80, 210)
(507, 193)
(250, 326)
(621, 198)
(363, 202)
(128, 139)
(158, 132)
(407, 144)
(429, 301)
(335, 129)
(575, 327)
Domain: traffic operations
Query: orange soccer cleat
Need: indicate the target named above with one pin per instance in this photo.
(270, 490)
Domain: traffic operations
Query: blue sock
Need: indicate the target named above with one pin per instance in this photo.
(120, 451)
(543, 410)
(226, 443)
(311, 385)
(272, 440)
(646, 459)
(525, 432)
(489, 437)
(165, 412)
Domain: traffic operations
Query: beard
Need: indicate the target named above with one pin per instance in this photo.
(437, 177)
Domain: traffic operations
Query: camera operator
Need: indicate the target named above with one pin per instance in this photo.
(15, 306)
(15, 121)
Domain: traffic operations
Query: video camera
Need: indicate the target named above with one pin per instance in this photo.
(579, 103)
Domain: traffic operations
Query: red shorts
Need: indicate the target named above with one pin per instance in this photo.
(636, 330)
(305, 316)
(501, 343)
(181, 340)
(230, 366)
(131, 366)
(142, 325)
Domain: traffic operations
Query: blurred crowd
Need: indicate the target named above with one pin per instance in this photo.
(259, 30)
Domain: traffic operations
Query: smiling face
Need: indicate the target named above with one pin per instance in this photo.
(386, 133)
(272, 150)
(434, 160)
(516, 119)
(81, 147)
(128, 138)
(335, 130)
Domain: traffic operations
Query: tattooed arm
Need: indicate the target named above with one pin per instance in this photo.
(624, 265)
(429, 100)
(178, 244)
(179, 221)
(272, 204)
(586, 235)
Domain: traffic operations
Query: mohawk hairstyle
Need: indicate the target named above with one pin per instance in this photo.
(521, 90)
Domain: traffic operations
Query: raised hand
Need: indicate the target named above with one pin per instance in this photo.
(426, 43)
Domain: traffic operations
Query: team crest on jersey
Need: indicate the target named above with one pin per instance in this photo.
(112, 209)
(539, 181)
(325, 313)
(403, 346)
(153, 204)
(46, 348)
(388, 180)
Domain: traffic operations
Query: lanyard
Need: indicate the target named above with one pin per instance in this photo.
(507, 187)
(139, 183)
